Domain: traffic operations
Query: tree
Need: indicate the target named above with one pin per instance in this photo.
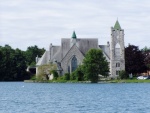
(31, 53)
(20, 67)
(134, 60)
(94, 64)
(6, 66)
(145, 49)
(13, 64)
(146, 53)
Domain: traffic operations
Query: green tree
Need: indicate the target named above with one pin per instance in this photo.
(146, 53)
(134, 60)
(145, 49)
(12, 64)
(6, 67)
(20, 66)
(31, 53)
(94, 64)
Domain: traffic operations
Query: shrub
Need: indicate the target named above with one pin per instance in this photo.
(73, 76)
(40, 77)
(33, 77)
(44, 71)
(79, 74)
(123, 74)
(55, 74)
(66, 76)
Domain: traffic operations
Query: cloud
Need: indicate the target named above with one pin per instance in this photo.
(25, 23)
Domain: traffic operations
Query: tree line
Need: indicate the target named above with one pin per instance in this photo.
(14, 62)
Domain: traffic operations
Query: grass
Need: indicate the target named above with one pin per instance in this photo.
(61, 80)
(129, 81)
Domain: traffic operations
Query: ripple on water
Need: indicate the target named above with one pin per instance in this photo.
(73, 98)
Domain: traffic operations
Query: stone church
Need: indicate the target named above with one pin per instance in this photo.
(72, 50)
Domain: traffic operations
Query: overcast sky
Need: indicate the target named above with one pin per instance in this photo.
(26, 23)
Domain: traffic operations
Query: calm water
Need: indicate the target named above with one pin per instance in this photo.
(19, 97)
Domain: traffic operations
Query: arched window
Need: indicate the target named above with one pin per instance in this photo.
(73, 63)
(117, 50)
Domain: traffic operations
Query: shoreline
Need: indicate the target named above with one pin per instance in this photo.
(99, 82)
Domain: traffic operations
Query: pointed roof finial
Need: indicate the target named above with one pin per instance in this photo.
(117, 25)
(74, 35)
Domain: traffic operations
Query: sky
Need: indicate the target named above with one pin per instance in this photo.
(25, 23)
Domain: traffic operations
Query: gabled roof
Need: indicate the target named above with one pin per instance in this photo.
(74, 46)
(74, 35)
(85, 44)
(117, 26)
(57, 55)
(44, 59)
(106, 51)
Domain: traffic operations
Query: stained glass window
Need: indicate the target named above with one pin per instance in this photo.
(73, 64)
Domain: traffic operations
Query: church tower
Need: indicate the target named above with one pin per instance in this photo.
(117, 50)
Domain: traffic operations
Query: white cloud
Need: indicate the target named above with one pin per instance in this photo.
(25, 23)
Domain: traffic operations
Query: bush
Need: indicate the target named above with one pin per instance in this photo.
(33, 77)
(55, 74)
(40, 77)
(45, 70)
(66, 76)
(79, 74)
(73, 76)
(123, 74)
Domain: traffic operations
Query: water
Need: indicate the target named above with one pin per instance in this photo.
(19, 97)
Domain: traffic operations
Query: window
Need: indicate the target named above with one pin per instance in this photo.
(117, 50)
(73, 64)
(117, 64)
(117, 72)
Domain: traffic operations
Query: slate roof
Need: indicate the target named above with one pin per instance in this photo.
(44, 59)
(106, 50)
(87, 43)
(59, 52)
